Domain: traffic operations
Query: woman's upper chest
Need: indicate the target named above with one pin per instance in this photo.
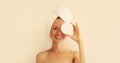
(59, 58)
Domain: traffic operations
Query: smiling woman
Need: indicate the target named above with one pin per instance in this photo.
(59, 53)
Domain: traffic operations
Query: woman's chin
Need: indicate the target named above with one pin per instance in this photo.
(59, 40)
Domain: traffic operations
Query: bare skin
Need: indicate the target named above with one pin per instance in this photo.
(59, 53)
(76, 37)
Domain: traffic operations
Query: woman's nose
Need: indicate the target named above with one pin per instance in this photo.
(59, 32)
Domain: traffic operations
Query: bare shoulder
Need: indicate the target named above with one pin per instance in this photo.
(41, 56)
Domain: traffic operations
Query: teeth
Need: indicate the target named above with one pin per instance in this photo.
(59, 37)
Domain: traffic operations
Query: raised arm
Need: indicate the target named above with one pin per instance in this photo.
(77, 38)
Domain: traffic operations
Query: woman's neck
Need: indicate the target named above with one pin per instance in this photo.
(59, 47)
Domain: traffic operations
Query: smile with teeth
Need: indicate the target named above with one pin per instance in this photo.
(58, 37)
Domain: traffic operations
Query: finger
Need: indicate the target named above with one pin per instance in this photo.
(75, 26)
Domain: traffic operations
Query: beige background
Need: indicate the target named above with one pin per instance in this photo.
(23, 28)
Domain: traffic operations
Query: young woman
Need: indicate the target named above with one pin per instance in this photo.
(59, 53)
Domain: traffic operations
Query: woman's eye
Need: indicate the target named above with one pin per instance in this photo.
(54, 28)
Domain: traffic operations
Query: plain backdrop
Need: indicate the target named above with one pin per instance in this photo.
(24, 31)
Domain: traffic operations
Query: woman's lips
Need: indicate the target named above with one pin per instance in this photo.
(58, 37)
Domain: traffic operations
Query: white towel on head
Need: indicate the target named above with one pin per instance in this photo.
(63, 13)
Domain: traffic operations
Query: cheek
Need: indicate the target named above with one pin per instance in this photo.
(52, 33)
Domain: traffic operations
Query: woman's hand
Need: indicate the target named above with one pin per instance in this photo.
(75, 35)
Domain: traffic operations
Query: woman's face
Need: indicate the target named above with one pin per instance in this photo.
(55, 32)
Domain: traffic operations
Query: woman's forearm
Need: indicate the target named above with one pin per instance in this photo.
(81, 52)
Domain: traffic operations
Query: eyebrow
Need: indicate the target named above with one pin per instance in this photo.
(54, 26)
